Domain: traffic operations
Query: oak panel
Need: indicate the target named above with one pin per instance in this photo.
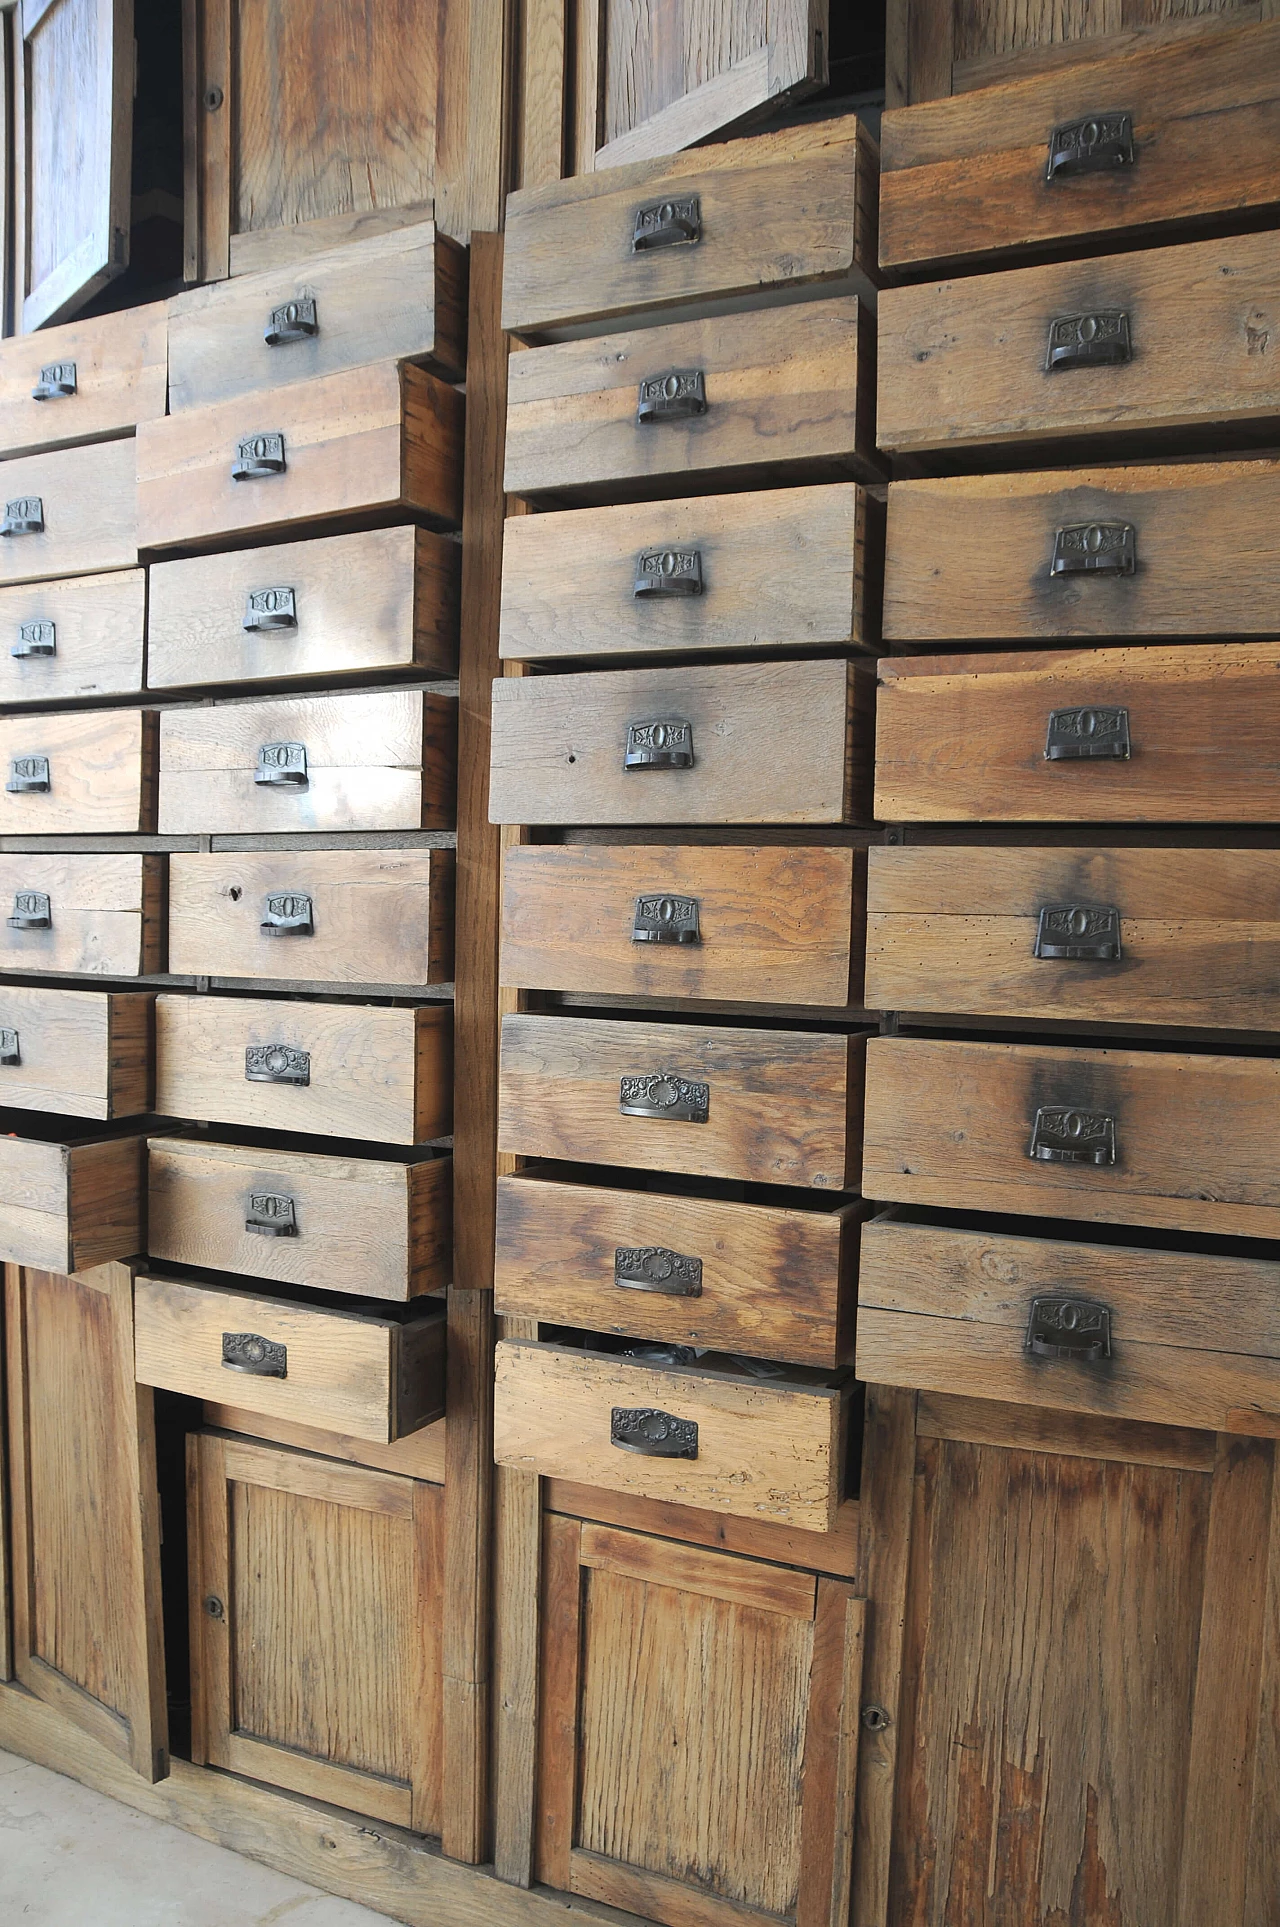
(106, 914)
(89, 502)
(80, 1053)
(99, 637)
(101, 772)
(119, 380)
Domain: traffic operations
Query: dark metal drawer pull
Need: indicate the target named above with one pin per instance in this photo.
(249, 1352)
(258, 456)
(57, 379)
(1076, 735)
(1061, 1327)
(666, 743)
(31, 911)
(1091, 146)
(23, 516)
(657, 1435)
(656, 1268)
(293, 321)
(38, 638)
(282, 766)
(664, 1094)
(668, 572)
(272, 1215)
(1062, 1134)
(276, 1064)
(664, 224)
(270, 609)
(1084, 932)
(29, 773)
(1095, 548)
(287, 913)
(1089, 340)
(665, 919)
(9, 1051)
(676, 397)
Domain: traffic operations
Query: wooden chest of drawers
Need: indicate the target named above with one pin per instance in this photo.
(375, 760)
(84, 636)
(79, 771)
(83, 380)
(80, 1053)
(71, 512)
(102, 915)
(69, 1202)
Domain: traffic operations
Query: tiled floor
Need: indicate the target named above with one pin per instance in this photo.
(72, 1858)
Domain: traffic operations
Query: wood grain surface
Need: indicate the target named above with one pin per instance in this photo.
(70, 1201)
(119, 380)
(89, 498)
(101, 772)
(80, 1053)
(106, 913)
(99, 637)
(419, 1456)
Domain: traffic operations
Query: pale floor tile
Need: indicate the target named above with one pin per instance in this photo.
(70, 1857)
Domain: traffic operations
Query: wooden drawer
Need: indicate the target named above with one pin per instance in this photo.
(774, 925)
(775, 214)
(393, 296)
(766, 1448)
(95, 378)
(774, 1281)
(952, 1124)
(781, 1107)
(372, 1071)
(82, 637)
(1190, 1337)
(964, 738)
(346, 605)
(777, 743)
(80, 1053)
(588, 418)
(972, 558)
(89, 770)
(968, 177)
(366, 1376)
(381, 439)
(68, 1201)
(782, 566)
(379, 760)
(966, 364)
(347, 916)
(1178, 936)
(101, 915)
(372, 1227)
(75, 511)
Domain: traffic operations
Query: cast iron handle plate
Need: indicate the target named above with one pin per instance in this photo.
(57, 380)
(282, 766)
(665, 743)
(9, 1051)
(31, 911)
(665, 224)
(23, 516)
(1065, 1134)
(654, 1434)
(272, 1215)
(39, 638)
(1087, 734)
(667, 573)
(664, 1094)
(675, 397)
(1094, 145)
(270, 609)
(1088, 932)
(287, 913)
(1097, 340)
(666, 919)
(250, 1352)
(29, 774)
(276, 1064)
(294, 320)
(258, 456)
(1065, 1327)
(1095, 548)
(656, 1268)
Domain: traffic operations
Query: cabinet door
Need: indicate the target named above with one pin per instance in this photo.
(85, 1520)
(73, 140)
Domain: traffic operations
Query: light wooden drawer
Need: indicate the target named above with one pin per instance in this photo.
(84, 636)
(1014, 1127)
(79, 1053)
(751, 743)
(101, 915)
(764, 1448)
(92, 378)
(336, 605)
(776, 1106)
(745, 395)
(328, 1070)
(770, 1280)
(967, 738)
(317, 916)
(372, 1227)
(1185, 1337)
(89, 770)
(396, 295)
(969, 176)
(782, 566)
(973, 558)
(365, 1376)
(69, 1202)
(381, 439)
(774, 214)
(69, 513)
(755, 924)
(378, 760)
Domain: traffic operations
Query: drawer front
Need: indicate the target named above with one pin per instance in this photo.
(338, 605)
(731, 392)
(67, 1205)
(81, 637)
(393, 296)
(71, 512)
(765, 1448)
(757, 925)
(1173, 1338)
(360, 1225)
(314, 451)
(778, 212)
(1010, 1127)
(83, 380)
(974, 558)
(366, 1377)
(320, 916)
(100, 916)
(770, 1106)
(967, 738)
(759, 1279)
(1164, 339)
(786, 743)
(332, 1070)
(379, 761)
(779, 566)
(88, 770)
(970, 176)
(77, 1053)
